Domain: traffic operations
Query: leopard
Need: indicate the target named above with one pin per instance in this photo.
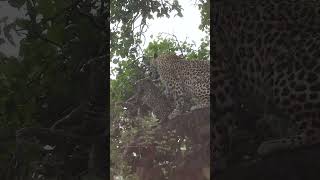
(267, 51)
(148, 96)
(184, 79)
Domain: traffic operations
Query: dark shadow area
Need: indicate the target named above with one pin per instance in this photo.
(54, 92)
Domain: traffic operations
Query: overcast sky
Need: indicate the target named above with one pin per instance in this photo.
(185, 27)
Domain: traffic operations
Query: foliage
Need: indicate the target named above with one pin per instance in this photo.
(172, 45)
(129, 21)
(58, 38)
(128, 73)
(204, 7)
(52, 52)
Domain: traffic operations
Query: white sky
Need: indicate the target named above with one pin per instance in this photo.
(182, 27)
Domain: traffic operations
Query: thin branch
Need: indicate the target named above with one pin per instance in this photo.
(50, 41)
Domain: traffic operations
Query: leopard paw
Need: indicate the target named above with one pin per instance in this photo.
(268, 147)
(199, 106)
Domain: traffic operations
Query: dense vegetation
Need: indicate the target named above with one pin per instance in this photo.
(44, 82)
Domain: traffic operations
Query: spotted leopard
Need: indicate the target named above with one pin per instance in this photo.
(148, 94)
(267, 50)
(184, 79)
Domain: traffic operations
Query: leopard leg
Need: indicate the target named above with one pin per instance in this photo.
(223, 117)
(177, 111)
(203, 96)
(179, 101)
(200, 106)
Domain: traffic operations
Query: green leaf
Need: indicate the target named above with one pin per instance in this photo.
(56, 33)
(46, 8)
(22, 23)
